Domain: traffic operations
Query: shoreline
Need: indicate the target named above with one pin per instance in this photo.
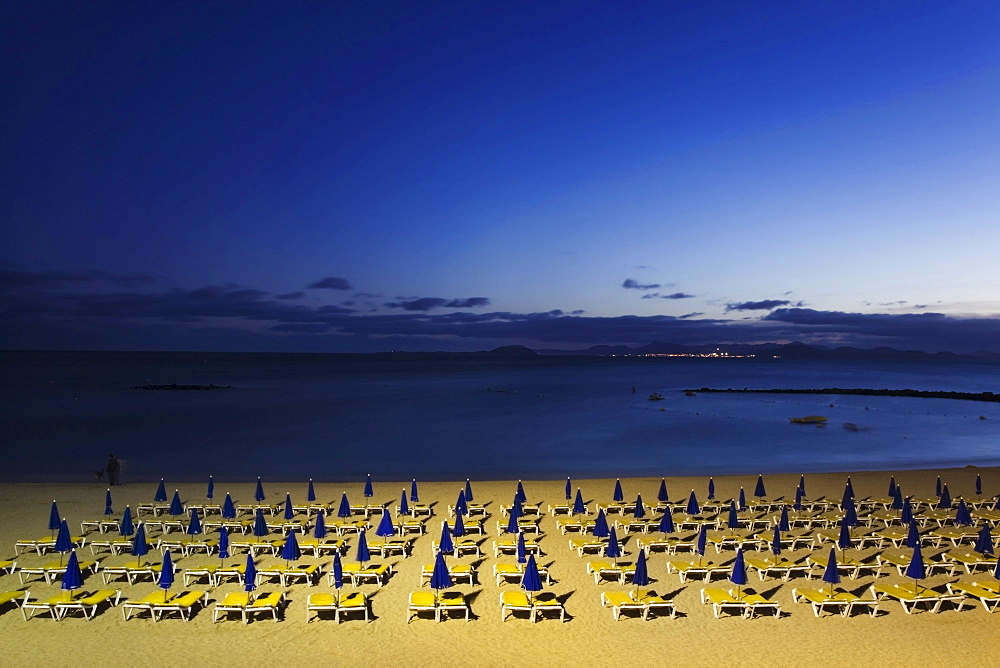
(861, 392)
(589, 637)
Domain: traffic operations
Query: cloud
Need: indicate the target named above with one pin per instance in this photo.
(291, 295)
(331, 283)
(763, 305)
(12, 278)
(428, 303)
(674, 295)
(632, 284)
(896, 303)
(232, 317)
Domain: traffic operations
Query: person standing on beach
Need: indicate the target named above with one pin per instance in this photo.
(113, 468)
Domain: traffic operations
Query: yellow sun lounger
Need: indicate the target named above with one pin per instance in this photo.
(621, 601)
(438, 603)
(590, 545)
(358, 574)
(989, 599)
(602, 570)
(15, 597)
(234, 601)
(353, 602)
(131, 608)
(686, 569)
(841, 602)
(456, 571)
(512, 573)
(778, 568)
(746, 603)
(183, 605)
(910, 597)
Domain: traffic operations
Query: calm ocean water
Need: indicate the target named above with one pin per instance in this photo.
(292, 417)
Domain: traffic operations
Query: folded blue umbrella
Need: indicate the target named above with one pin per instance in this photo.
(64, 543)
(338, 572)
(311, 492)
(601, 529)
(963, 517)
(522, 549)
(404, 506)
(385, 527)
(211, 488)
(844, 541)
(743, 500)
(892, 486)
(250, 574)
(258, 494)
(662, 495)
(692, 505)
(802, 484)
(223, 543)
(832, 573)
(700, 543)
(461, 505)
(440, 577)
(228, 508)
(531, 581)
(897, 499)
(578, 507)
(363, 554)
(345, 506)
(290, 550)
(161, 493)
(848, 492)
(369, 490)
(613, 549)
(512, 526)
(414, 496)
(126, 528)
(666, 522)
(289, 512)
(979, 484)
(259, 524)
(711, 489)
(937, 487)
(733, 520)
(468, 490)
(759, 491)
(521, 496)
(166, 579)
(798, 498)
(140, 547)
(984, 541)
(194, 525)
(851, 514)
(108, 510)
(783, 522)
(72, 578)
(54, 519)
(945, 501)
(569, 489)
(319, 531)
(446, 544)
(738, 576)
(641, 576)
(776, 541)
(618, 496)
(906, 515)
(639, 511)
(176, 508)
(459, 528)
(916, 569)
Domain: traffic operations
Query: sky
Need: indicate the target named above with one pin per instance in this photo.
(356, 177)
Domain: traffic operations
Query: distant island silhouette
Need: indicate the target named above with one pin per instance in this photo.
(929, 394)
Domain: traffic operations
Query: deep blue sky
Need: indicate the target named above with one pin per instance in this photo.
(364, 176)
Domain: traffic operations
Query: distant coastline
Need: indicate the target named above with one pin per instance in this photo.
(860, 391)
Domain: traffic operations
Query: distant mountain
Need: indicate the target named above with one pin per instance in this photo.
(796, 351)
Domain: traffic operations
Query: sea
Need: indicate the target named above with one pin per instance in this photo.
(290, 417)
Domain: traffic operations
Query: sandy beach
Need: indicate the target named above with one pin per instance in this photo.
(589, 636)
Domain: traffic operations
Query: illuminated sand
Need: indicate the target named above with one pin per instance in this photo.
(591, 637)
